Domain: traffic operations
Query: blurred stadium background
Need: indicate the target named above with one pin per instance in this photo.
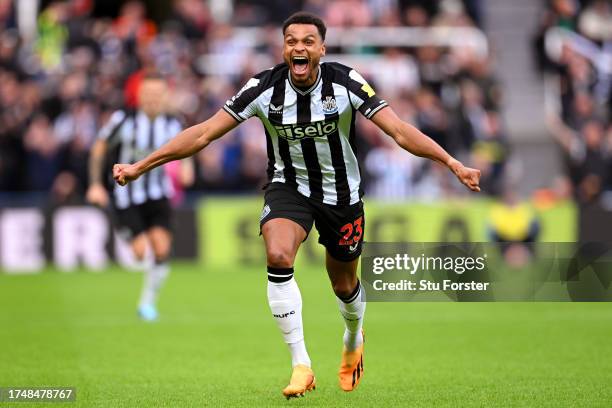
(520, 89)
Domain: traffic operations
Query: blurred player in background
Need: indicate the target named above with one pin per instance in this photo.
(308, 110)
(142, 210)
(514, 225)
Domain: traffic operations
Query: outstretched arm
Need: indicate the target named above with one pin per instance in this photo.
(96, 193)
(185, 144)
(419, 144)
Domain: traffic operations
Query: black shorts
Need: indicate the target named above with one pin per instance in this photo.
(340, 228)
(137, 219)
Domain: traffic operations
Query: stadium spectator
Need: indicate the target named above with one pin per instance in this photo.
(348, 13)
(514, 225)
(52, 35)
(452, 13)
(582, 78)
(489, 153)
(396, 73)
(132, 24)
(7, 15)
(431, 116)
(594, 21)
(416, 16)
(42, 154)
(192, 17)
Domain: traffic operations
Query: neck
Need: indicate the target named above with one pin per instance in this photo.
(151, 116)
(309, 82)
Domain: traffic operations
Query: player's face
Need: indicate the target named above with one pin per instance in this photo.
(152, 96)
(302, 50)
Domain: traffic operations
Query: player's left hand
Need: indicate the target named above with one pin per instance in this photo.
(124, 173)
(468, 176)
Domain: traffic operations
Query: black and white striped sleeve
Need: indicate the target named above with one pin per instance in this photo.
(363, 97)
(112, 126)
(243, 105)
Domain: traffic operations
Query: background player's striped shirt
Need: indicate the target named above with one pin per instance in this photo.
(310, 132)
(131, 136)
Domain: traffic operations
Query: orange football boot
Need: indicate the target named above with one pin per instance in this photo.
(351, 367)
(302, 380)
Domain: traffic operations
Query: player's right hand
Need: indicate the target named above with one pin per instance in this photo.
(97, 195)
(466, 175)
(124, 173)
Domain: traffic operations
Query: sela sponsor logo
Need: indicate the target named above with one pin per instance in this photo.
(284, 315)
(349, 318)
(314, 129)
(329, 105)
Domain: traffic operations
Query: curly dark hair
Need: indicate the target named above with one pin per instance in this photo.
(303, 17)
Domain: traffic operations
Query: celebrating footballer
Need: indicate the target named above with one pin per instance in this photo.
(308, 110)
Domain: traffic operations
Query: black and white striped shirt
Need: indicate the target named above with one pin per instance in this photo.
(131, 136)
(310, 133)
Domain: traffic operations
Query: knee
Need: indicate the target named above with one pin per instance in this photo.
(161, 253)
(161, 243)
(278, 258)
(139, 250)
(343, 288)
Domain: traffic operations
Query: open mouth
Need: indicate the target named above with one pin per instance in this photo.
(300, 65)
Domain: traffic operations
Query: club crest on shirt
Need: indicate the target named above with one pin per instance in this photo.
(329, 105)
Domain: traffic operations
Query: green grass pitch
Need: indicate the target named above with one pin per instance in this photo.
(217, 345)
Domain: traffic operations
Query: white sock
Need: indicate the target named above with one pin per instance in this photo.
(285, 303)
(154, 277)
(352, 310)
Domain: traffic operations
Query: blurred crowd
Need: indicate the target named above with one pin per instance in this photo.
(581, 68)
(59, 87)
